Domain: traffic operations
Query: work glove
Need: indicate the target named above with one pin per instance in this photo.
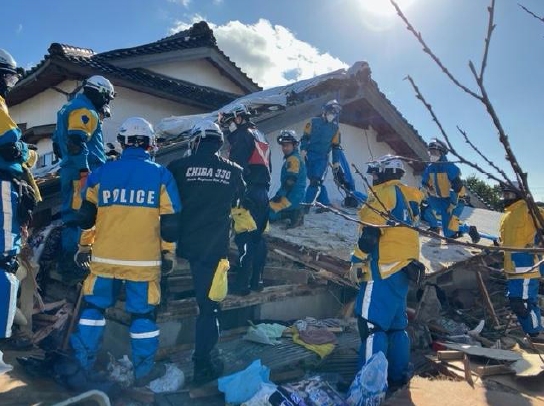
(369, 239)
(168, 260)
(243, 221)
(83, 257)
(303, 154)
(276, 199)
(356, 272)
(83, 175)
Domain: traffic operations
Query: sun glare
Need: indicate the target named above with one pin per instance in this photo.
(383, 8)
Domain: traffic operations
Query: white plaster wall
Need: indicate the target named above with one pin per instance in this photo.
(130, 103)
(199, 72)
(42, 109)
(360, 146)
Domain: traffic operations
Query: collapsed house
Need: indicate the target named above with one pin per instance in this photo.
(304, 276)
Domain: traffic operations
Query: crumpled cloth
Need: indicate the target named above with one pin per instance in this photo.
(265, 333)
(243, 385)
(317, 336)
(320, 349)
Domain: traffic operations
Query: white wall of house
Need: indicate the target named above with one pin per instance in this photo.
(42, 109)
(200, 72)
(360, 146)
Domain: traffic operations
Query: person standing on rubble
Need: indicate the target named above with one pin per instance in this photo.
(442, 181)
(209, 186)
(286, 203)
(517, 229)
(129, 217)
(250, 150)
(383, 262)
(321, 135)
(79, 143)
(18, 196)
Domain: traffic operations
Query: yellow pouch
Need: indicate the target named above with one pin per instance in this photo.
(243, 221)
(220, 285)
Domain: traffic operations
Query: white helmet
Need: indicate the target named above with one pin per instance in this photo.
(390, 164)
(7, 63)
(102, 85)
(136, 131)
(206, 130)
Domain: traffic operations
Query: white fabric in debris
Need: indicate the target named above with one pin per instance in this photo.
(3, 366)
(171, 381)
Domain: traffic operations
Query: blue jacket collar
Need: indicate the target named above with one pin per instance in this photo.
(134, 153)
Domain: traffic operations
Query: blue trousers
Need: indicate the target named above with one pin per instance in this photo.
(381, 310)
(71, 202)
(316, 169)
(523, 296)
(207, 321)
(9, 285)
(450, 220)
(144, 332)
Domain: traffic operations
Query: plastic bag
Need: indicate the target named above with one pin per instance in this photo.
(370, 384)
(220, 284)
(243, 385)
(171, 381)
(3, 366)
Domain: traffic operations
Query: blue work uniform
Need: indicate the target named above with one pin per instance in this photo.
(78, 136)
(517, 230)
(129, 196)
(293, 184)
(10, 243)
(438, 179)
(318, 139)
(381, 301)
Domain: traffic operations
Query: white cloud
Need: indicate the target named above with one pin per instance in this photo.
(19, 29)
(270, 54)
(184, 3)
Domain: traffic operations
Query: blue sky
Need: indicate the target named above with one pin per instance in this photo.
(282, 40)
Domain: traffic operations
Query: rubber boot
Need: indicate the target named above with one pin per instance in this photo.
(474, 234)
(296, 218)
(206, 370)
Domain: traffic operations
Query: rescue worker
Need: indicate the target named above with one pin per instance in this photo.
(129, 217)
(18, 197)
(250, 150)
(286, 203)
(383, 262)
(518, 230)
(78, 142)
(209, 186)
(321, 135)
(445, 189)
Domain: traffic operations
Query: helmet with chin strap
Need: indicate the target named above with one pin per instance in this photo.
(9, 72)
(288, 137)
(440, 146)
(136, 132)
(206, 131)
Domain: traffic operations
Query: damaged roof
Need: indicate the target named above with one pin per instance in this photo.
(65, 62)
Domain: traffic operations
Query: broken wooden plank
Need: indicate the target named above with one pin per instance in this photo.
(286, 275)
(492, 353)
(449, 355)
(487, 299)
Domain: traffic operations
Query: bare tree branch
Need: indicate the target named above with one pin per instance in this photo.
(488, 161)
(428, 51)
(531, 13)
(538, 219)
(445, 135)
(490, 28)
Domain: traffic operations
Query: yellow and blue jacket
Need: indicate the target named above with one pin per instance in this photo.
(130, 195)
(78, 135)
(398, 246)
(320, 137)
(11, 134)
(438, 178)
(517, 230)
